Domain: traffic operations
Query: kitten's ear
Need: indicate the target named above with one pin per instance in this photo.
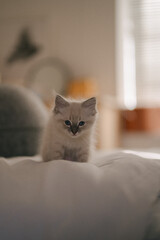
(90, 105)
(60, 104)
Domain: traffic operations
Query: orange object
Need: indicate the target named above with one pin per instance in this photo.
(82, 88)
(142, 119)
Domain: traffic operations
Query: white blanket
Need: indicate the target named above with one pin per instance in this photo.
(113, 198)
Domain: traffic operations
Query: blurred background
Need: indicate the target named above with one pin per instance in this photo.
(106, 48)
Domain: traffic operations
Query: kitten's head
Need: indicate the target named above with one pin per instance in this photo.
(75, 117)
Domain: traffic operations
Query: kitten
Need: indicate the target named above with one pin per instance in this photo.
(69, 133)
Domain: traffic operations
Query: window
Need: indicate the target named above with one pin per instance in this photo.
(138, 53)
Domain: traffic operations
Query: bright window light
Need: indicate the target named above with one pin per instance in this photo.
(129, 76)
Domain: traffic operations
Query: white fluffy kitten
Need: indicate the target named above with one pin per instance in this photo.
(69, 133)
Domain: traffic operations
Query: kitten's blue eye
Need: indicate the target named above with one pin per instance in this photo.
(68, 123)
(81, 123)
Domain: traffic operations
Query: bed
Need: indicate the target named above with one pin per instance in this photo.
(116, 197)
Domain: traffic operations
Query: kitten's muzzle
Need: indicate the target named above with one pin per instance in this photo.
(74, 129)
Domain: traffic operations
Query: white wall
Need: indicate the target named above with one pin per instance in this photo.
(80, 32)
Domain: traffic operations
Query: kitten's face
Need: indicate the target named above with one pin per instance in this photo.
(75, 118)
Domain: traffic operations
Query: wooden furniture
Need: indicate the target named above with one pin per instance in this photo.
(141, 119)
